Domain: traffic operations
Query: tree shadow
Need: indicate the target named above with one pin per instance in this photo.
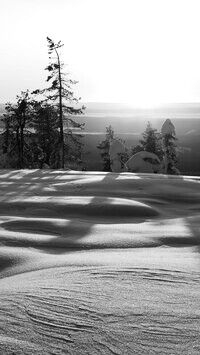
(79, 220)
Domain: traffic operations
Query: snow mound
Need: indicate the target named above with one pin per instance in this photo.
(78, 206)
(116, 147)
(144, 162)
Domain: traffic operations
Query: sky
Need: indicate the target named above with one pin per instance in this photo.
(141, 52)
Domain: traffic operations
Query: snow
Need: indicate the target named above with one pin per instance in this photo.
(99, 263)
(144, 162)
(168, 128)
(116, 148)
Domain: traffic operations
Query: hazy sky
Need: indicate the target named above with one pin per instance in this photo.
(137, 51)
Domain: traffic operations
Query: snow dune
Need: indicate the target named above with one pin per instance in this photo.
(99, 263)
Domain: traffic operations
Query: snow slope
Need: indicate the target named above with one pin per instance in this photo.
(99, 263)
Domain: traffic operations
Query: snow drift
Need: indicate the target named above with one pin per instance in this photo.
(99, 263)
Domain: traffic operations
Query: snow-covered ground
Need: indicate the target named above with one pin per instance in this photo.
(99, 263)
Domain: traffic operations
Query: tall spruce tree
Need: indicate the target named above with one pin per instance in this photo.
(61, 95)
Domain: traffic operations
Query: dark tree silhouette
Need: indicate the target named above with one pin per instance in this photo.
(61, 93)
(104, 148)
(16, 121)
(151, 142)
(44, 144)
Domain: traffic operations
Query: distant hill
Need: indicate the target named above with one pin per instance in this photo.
(135, 125)
(175, 110)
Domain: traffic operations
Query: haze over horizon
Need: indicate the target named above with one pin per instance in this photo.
(128, 111)
(139, 52)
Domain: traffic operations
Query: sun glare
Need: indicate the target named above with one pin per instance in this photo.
(143, 52)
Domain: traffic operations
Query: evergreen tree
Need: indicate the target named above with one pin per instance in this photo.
(104, 147)
(151, 142)
(73, 149)
(62, 96)
(135, 149)
(44, 145)
(16, 132)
